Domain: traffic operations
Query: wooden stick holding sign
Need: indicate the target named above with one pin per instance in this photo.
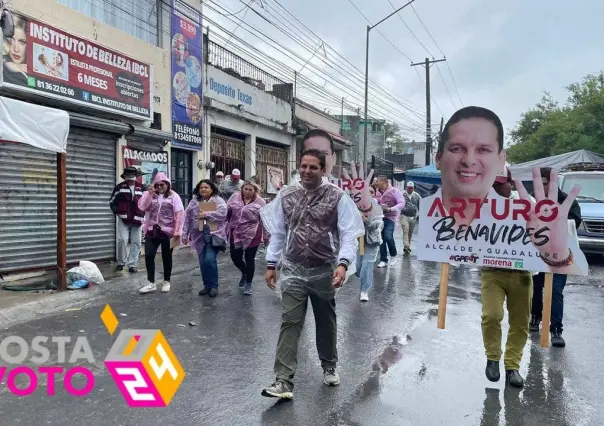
(442, 295)
(209, 206)
(547, 309)
(362, 246)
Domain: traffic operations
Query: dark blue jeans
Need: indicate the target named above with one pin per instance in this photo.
(388, 243)
(557, 299)
(209, 266)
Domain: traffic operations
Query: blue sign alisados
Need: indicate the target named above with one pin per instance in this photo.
(187, 51)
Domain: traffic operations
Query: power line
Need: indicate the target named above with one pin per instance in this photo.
(320, 91)
(454, 84)
(445, 84)
(296, 58)
(423, 25)
(369, 22)
(311, 47)
(352, 67)
(441, 51)
(379, 32)
(431, 98)
(411, 31)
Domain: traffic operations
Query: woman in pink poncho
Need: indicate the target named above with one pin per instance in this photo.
(164, 214)
(245, 231)
(212, 238)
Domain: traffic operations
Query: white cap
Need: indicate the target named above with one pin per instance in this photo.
(236, 172)
(219, 174)
(410, 185)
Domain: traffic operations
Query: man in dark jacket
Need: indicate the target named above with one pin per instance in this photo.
(124, 204)
(555, 327)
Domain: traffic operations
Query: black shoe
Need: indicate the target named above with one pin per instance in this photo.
(242, 283)
(534, 326)
(133, 270)
(119, 268)
(204, 291)
(557, 340)
(213, 292)
(492, 371)
(513, 378)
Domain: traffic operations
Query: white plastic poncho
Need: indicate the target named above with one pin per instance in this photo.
(294, 277)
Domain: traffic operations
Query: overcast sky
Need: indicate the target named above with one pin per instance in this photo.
(502, 55)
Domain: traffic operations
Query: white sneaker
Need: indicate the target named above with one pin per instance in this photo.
(165, 288)
(364, 296)
(149, 288)
(382, 265)
(393, 261)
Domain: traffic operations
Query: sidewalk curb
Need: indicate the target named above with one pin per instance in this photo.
(54, 303)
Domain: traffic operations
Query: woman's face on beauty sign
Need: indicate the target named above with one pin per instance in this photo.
(18, 46)
(471, 159)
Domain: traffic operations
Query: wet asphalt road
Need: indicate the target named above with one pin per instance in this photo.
(437, 378)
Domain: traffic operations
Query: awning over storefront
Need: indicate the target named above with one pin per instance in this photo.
(117, 127)
(39, 126)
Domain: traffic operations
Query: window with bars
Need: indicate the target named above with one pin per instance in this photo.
(138, 18)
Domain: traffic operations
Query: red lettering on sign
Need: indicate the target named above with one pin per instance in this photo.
(521, 208)
(437, 204)
(458, 205)
(356, 184)
(500, 209)
(545, 203)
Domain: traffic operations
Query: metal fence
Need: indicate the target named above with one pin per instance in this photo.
(238, 67)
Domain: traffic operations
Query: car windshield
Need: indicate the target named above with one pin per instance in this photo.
(592, 186)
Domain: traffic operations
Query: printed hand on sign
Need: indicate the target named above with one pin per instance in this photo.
(547, 213)
(359, 188)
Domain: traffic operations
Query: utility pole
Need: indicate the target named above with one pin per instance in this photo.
(427, 64)
(342, 119)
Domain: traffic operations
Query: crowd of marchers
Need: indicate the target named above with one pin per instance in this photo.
(315, 235)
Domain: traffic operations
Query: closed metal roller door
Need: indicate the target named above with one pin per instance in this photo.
(91, 161)
(28, 207)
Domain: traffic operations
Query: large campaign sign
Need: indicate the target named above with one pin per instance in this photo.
(48, 61)
(187, 52)
(481, 217)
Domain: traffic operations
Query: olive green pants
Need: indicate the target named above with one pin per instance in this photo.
(298, 285)
(497, 285)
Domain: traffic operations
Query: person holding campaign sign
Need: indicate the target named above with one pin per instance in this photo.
(467, 221)
(497, 284)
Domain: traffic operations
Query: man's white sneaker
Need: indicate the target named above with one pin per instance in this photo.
(165, 288)
(393, 261)
(331, 377)
(382, 265)
(149, 288)
(364, 296)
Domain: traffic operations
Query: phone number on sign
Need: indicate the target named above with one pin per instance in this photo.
(57, 88)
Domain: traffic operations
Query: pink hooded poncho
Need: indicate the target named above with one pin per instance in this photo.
(191, 230)
(245, 225)
(167, 212)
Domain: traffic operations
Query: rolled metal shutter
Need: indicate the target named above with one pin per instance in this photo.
(91, 162)
(28, 207)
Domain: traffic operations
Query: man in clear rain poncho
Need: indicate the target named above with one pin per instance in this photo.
(314, 229)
